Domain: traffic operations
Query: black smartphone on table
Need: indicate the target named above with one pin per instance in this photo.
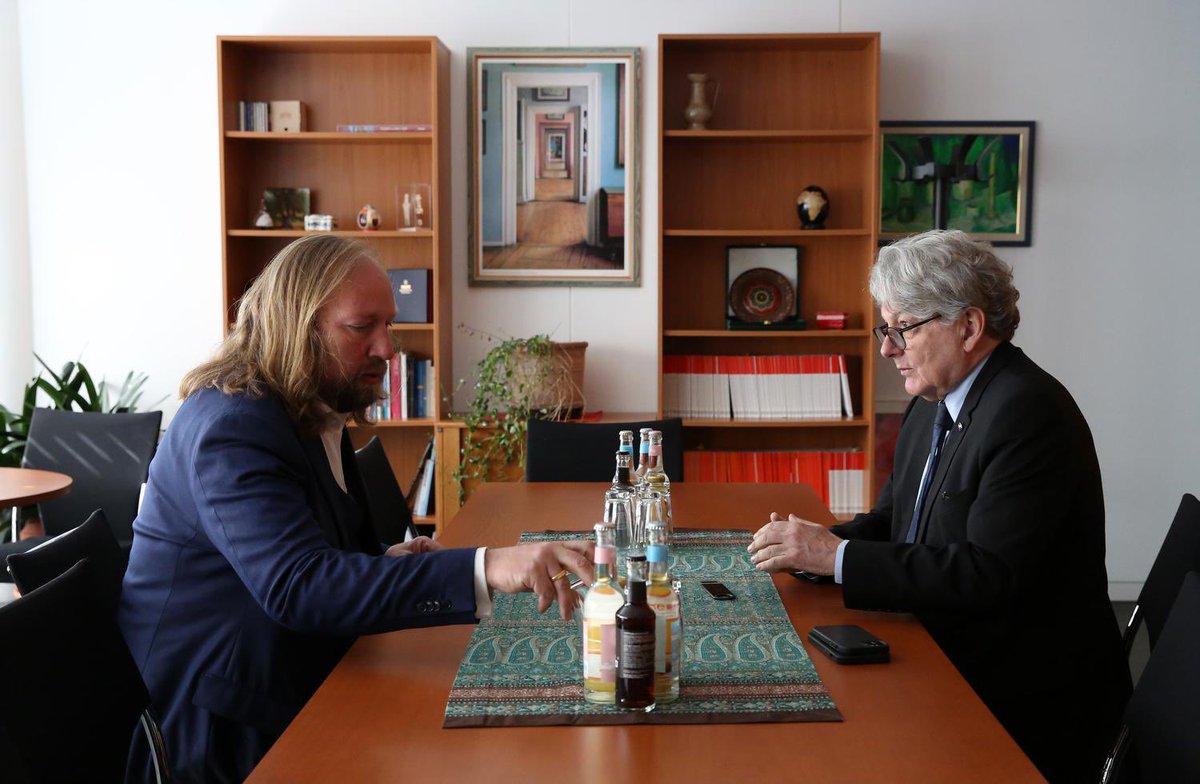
(850, 644)
(718, 590)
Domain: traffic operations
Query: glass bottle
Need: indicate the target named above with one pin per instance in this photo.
(618, 504)
(635, 642)
(600, 607)
(655, 477)
(643, 454)
(626, 444)
(668, 629)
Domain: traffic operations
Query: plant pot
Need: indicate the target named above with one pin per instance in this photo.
(560, 389)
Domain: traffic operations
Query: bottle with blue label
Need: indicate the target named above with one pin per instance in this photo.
(668, 632)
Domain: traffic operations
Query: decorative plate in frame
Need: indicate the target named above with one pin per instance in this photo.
(762, 296)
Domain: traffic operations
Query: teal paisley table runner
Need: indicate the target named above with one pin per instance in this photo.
(743, 661)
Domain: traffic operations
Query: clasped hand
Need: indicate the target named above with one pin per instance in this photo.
(794, 545)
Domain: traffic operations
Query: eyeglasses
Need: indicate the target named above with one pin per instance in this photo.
(883, 332)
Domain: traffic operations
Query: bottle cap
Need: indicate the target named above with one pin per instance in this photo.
(656, 553)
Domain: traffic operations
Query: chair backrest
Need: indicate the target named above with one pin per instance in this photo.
(577, 452)
(390, 515)
(1179, 554)
(73, 696)
(107, 456)
(92, 540)
(1164, 713)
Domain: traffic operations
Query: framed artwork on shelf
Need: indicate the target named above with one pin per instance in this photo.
(762, 286)
(287, 206)
(973, 176)
(554, 180)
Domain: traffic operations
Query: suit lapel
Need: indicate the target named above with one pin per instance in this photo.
(999, 359)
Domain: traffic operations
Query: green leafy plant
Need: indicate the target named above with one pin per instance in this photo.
(518, 379)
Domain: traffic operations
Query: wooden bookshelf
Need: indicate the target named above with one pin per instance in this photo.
(357, 81)
(792, 110)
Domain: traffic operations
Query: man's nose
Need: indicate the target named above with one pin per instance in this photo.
(887, 348)
(381, 343)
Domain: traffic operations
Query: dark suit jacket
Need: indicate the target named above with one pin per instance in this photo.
(251, 574)
(1007, 573)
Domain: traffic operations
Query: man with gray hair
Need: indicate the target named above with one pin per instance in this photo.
(991, 526)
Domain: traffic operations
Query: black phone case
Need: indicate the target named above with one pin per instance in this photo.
(849, 644)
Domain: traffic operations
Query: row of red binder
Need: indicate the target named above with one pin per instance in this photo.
(775, 386)
(837, 475)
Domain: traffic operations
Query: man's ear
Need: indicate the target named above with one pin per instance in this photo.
(972, 326)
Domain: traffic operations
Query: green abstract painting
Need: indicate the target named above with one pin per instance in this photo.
(976, 177)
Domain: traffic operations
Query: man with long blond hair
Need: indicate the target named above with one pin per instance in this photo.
(254, 565)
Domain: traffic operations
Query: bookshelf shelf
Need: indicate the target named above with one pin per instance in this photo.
(266, 234)
(753, 233)
(346, 81)
(341, 137)
(782, 135)
(854, 422)
(794, 110)
(748, 334)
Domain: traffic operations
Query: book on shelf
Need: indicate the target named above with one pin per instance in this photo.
(422, 501)
(253, 116)
(767, 387)
(384, 128)
(286, 116)
(415, 485)
(836, 475)
(409, 387)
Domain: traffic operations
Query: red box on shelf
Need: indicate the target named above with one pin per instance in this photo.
(828, 319)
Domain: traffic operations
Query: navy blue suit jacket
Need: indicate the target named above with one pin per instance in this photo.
(251, 574)
(1007, 573)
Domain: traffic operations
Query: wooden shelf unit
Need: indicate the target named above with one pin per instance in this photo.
(345, 80)
(793, 110)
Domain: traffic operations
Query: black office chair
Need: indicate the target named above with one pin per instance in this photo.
(577, 452)
(1159, 739)
(390, 515)
(72, 711)
(1179, 554)
(94, 542)
(106, 455)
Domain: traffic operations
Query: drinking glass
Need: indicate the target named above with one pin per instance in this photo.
(650, 508)
(618, 510)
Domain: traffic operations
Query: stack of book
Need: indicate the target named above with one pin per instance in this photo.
(810, 386)
(409, 389)
(837, 476)
(253, 116)
(420, 491)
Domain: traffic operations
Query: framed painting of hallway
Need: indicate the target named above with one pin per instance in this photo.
(554, 182)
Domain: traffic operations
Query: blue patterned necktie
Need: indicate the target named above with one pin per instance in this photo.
(941, 423)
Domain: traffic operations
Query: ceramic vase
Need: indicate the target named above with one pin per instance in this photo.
(698, 111)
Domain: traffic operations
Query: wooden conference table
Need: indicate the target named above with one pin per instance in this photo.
(378, 717)
(25, 486)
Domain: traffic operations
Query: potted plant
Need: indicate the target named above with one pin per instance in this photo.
(518, 379)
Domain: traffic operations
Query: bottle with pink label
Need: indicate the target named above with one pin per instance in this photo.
(600, 607)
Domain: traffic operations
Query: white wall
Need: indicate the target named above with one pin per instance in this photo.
(120, 131)
(16, 314)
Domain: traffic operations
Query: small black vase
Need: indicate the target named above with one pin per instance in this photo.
(812, 205)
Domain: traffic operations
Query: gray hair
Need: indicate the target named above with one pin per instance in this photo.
(943, 273)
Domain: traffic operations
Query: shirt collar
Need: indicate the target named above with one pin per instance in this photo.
(957, 396)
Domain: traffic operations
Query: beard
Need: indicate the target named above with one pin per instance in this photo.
(351, 395)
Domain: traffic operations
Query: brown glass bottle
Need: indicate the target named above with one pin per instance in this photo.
(635, 642)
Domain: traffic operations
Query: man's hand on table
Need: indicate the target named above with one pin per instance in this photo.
(532, 567)
(794, 545)
(421, 544)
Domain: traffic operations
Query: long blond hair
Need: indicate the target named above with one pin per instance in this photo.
(275, 347)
